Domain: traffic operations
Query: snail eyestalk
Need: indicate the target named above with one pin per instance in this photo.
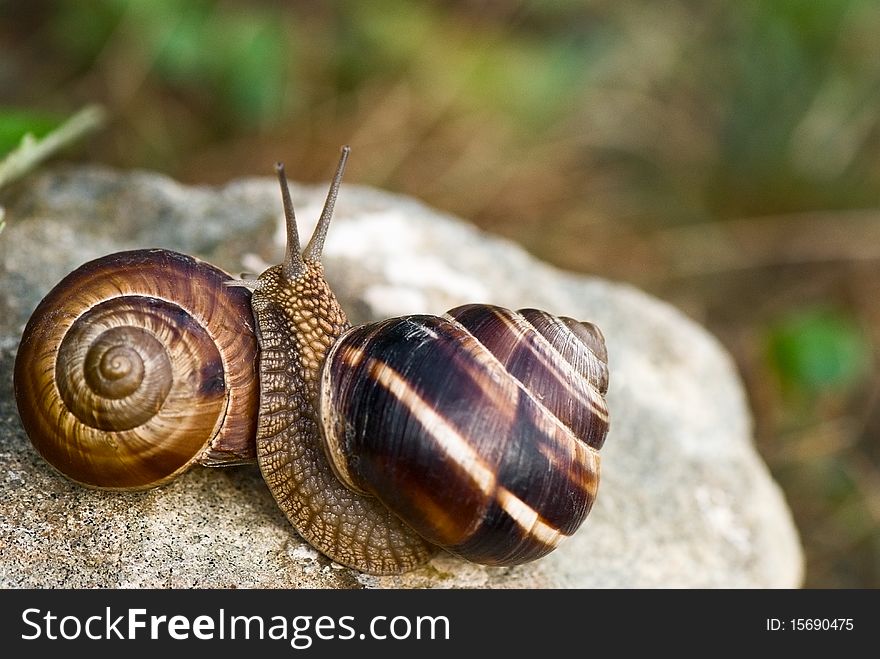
(316, 243)
(293, 265)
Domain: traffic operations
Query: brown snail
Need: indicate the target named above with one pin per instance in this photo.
(477, 431)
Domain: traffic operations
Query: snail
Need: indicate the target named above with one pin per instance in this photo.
(477, 431)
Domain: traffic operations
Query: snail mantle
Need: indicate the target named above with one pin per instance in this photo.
(685, 501)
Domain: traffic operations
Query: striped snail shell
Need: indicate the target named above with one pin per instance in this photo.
(477, 431)
(136, 365)
(481, 428)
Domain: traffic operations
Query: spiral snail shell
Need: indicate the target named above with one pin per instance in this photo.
(477, 431)
(135, 366)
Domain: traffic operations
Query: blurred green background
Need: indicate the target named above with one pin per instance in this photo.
(723, 156)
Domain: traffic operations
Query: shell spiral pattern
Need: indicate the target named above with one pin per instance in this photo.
(134, 366)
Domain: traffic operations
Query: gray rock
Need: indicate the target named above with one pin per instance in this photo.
(685, 501)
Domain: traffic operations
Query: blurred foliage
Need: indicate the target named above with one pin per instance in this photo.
(36, 144)
(237, 57)
(819, 350)
(15, 124)
(725, 156)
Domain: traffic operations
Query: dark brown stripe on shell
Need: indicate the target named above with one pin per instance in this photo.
(383, 442)
(437, 431)
(580, 343)
(566, 388)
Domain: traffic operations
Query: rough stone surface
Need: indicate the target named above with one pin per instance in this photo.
(685, 501)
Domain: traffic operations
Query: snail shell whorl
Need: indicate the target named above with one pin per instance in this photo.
(134, 366)
(475, 427)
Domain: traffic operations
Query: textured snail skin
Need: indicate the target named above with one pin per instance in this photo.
(136, 365)
(473, 427)
(298, 319)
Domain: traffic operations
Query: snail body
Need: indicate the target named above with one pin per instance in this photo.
(477, 431)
